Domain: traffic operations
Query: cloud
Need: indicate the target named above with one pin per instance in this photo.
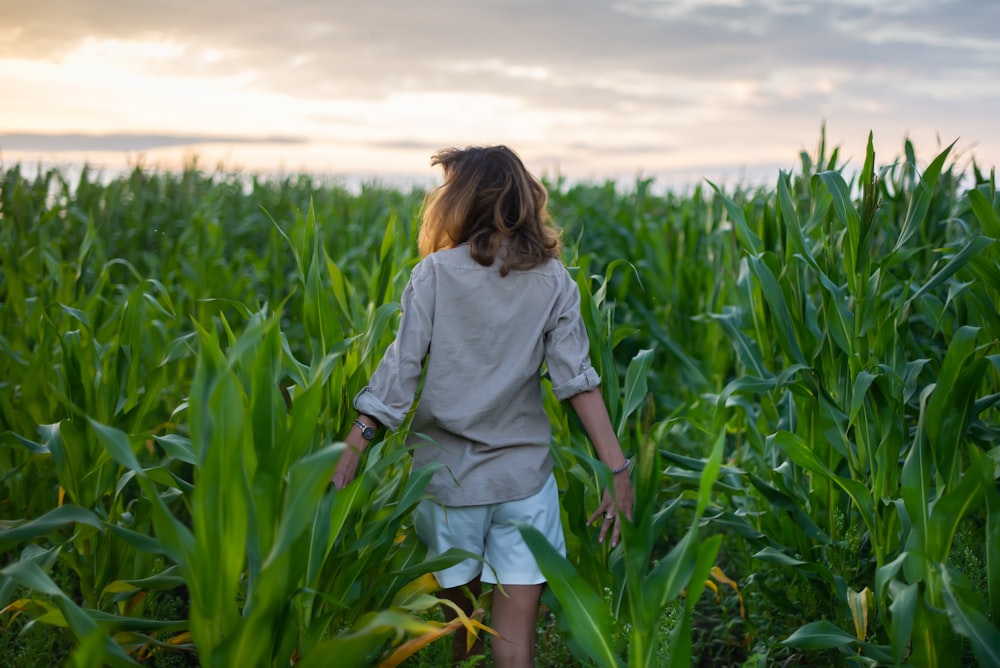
(572, 72)
(26, 141)
(316, 48)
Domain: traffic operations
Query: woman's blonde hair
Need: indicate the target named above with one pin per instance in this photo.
(490, 201)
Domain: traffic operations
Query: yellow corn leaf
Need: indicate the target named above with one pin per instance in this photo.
(118, 587)
(725, 579)
(858, 600)
(473, 628)
(415, 590)
(468, 621)
(180, 638)
(411, 647)
(54, 616)
(426, 582)
(160, 427)
(143, 652)
(62, 495)
(39, 610)
(134, 602)
(20, 605)
(711, 585)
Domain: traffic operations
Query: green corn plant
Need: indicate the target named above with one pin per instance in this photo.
(258, 503)
(666, 289)
(640, 593)
(647, 591)
(572, 455)
(840, 332)
(111, 385)
(96, 376)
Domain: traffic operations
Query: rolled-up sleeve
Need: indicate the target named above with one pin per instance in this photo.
(391, 389)
(567, 348)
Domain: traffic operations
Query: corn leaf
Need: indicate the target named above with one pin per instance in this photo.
(971, 623)
(586, 613)
(53, 520)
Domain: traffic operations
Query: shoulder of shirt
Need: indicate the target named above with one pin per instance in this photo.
(460, 258)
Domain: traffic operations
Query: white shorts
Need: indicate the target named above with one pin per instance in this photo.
(489, 530)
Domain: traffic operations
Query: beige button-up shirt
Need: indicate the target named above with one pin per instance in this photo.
(483, 337)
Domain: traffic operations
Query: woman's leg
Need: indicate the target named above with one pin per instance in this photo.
(458, 596)
(515, 617)
(441, 528)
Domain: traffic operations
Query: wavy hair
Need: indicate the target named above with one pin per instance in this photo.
(490, 201)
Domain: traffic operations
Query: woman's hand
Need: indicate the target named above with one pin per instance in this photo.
(347, 468)
(347, 465)
(593, 413)
(613, 507)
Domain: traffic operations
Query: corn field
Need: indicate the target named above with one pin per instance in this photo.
(807, 374)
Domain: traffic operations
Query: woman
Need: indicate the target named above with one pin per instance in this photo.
(488, 303)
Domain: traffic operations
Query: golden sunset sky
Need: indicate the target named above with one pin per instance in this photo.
(587, 89)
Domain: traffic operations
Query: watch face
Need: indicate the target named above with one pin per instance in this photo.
(367, 431)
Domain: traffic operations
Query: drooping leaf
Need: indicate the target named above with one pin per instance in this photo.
(587, 615)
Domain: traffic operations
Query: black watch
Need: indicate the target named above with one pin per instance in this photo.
(367, 431)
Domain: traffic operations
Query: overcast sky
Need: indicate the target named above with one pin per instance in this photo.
(584, 88)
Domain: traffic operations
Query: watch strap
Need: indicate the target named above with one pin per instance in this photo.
(367, 431)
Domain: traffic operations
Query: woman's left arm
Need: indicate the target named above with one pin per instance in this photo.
(589, 406)
(391, 388)
(347, 465)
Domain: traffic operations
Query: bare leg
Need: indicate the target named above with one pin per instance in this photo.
(459, 639)
(515, 617)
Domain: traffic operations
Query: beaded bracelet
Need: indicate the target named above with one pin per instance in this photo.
(624, 467)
